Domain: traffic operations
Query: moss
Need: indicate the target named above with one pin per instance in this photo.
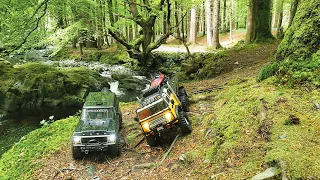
(23, 157)
(34, 85)
(239, 142)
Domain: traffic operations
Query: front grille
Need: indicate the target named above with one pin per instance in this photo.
(157, 121)
(94, 140)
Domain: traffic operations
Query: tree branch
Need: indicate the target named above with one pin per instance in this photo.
(120, 40)
(36, 27)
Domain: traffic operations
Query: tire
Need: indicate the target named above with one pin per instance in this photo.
(76, 153)
(184, 123)
(152, 140)
(115, 149)
(183, 97)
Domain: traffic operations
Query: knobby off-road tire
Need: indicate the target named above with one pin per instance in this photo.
(184, 123)
(115, 149)
(76, 153)
(183, 97)
(152, 140)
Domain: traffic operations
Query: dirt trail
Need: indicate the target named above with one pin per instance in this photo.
(174, 45)
(177, 165)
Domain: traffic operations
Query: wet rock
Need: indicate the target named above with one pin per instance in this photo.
(268, 173)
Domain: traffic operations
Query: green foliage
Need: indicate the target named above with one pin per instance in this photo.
(25, 156)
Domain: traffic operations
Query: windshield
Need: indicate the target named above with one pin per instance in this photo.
(153, 109)
(97, 114)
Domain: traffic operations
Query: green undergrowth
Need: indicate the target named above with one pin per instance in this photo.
(26, 156)
(247, 121)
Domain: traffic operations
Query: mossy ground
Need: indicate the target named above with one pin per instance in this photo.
(236, 135)
(27, 155)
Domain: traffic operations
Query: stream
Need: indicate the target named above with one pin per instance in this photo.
(14, 126)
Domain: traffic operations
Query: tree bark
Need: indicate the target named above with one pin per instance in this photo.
(193, 23)
(203, 18)
(231, 19)
(208, 22)
(276, 13)
(224, 18)
(252, 9)
(216, 13)
(176, 15)
(293, 11)
(263, 30)
(279, 23)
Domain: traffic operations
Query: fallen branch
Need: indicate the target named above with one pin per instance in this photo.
(169, 150)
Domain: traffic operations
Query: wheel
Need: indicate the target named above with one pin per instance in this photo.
(76, 153)
(184, 123)
(152, 140)
(115, 149)
(183, 97)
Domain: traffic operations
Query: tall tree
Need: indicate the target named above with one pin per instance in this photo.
(262, 24)
(216, 13)
(193, 24)
(251, 22)
(224, 16)
(209, 22)
(280, 17)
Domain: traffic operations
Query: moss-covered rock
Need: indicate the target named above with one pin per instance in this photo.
(35, 85)
(297, 58)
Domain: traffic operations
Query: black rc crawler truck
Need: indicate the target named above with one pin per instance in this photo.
(99, 125)
(163, 108)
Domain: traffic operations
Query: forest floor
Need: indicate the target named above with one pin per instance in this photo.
(183, 162)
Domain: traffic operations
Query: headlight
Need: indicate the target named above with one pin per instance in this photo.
(169, 117)
(146, 127)
(77, 140)
(112, 138)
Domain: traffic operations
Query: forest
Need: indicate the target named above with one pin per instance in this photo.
(250, 68)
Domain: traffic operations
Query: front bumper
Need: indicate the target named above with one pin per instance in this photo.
(163, 128)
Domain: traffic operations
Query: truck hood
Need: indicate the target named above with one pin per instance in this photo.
(91, 125)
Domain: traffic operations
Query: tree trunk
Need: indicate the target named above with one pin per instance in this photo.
(193, 23)
(279, 24)
(252, 9)
(209, 22)
(177, 18)
(203, 18)
(276, 13)
(263, 30)
(216, 13)
(231, 19)
(164, 22)
(182, 23)
(293, 11)
(224, 18)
